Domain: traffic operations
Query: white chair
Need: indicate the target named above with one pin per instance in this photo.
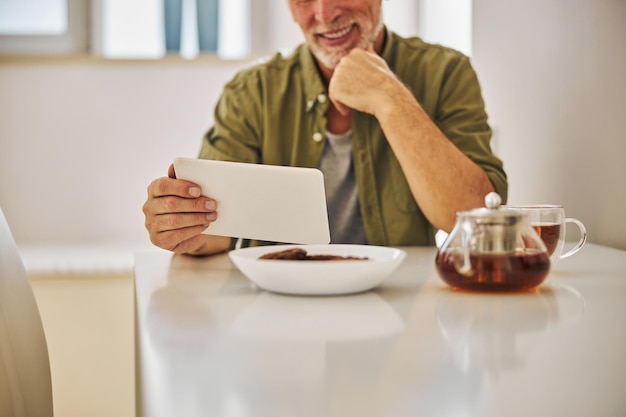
(25, 380)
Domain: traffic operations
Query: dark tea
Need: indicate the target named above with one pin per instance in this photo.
(495, 272)
(549, 233)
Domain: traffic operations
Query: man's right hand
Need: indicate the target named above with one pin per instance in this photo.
(176, 215)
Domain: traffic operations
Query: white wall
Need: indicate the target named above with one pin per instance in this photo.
(447, 22)
(554, 79)
(80, 141)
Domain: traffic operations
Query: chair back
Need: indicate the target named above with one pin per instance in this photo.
(25, 379)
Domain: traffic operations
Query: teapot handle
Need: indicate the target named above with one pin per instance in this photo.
(466, 267)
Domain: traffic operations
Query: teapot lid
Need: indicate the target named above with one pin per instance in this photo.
(493, 212)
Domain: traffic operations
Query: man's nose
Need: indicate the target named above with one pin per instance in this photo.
(326, 10)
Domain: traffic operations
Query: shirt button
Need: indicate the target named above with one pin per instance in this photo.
(321, 98)
(309, 104)
(317, 137)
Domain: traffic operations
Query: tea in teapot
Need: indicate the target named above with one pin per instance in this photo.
(493, 249)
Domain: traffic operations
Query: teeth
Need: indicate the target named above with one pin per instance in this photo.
(335, 35)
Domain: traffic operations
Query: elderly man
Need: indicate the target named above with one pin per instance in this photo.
(397, 126)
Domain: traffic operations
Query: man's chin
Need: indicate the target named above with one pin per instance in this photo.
(330, 61)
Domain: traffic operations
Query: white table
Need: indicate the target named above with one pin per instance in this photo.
(210, 344)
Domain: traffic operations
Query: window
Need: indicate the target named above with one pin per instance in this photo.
(154, 28)
(43, 27)
(446, 22)
(137, 29)
(33, 17)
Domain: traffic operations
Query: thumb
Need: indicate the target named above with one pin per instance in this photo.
(170, 171)
(342, 108)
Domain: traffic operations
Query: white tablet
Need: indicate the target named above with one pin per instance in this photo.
(263, 202)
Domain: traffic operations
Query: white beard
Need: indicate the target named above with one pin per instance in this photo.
(331, 57)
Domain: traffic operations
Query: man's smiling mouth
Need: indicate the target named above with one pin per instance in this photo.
(336, 34)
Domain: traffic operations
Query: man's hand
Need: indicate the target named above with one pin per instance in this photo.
(176, 215)
(362, 81)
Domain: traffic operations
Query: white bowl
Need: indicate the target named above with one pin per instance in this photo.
(318, 277)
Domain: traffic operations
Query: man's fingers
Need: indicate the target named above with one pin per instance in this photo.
(166, 186)
(176, 213)
(171, 205)
(179, 221)
(189, 245)
(178, 240)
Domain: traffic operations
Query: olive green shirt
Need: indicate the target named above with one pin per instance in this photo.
(274, 113)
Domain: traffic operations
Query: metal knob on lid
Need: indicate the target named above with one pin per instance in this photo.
(494, 228)
(493, 200)
(493, 212)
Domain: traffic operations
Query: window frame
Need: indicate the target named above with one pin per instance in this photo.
(76, 40)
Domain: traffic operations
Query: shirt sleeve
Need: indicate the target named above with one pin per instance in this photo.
(235, 134)
(461, 116)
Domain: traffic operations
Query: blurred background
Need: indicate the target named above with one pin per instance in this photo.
(98, 97)
(93, 106)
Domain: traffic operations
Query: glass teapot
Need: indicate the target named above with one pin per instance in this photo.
(493, 249)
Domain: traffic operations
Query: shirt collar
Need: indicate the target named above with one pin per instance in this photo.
(313, 84)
